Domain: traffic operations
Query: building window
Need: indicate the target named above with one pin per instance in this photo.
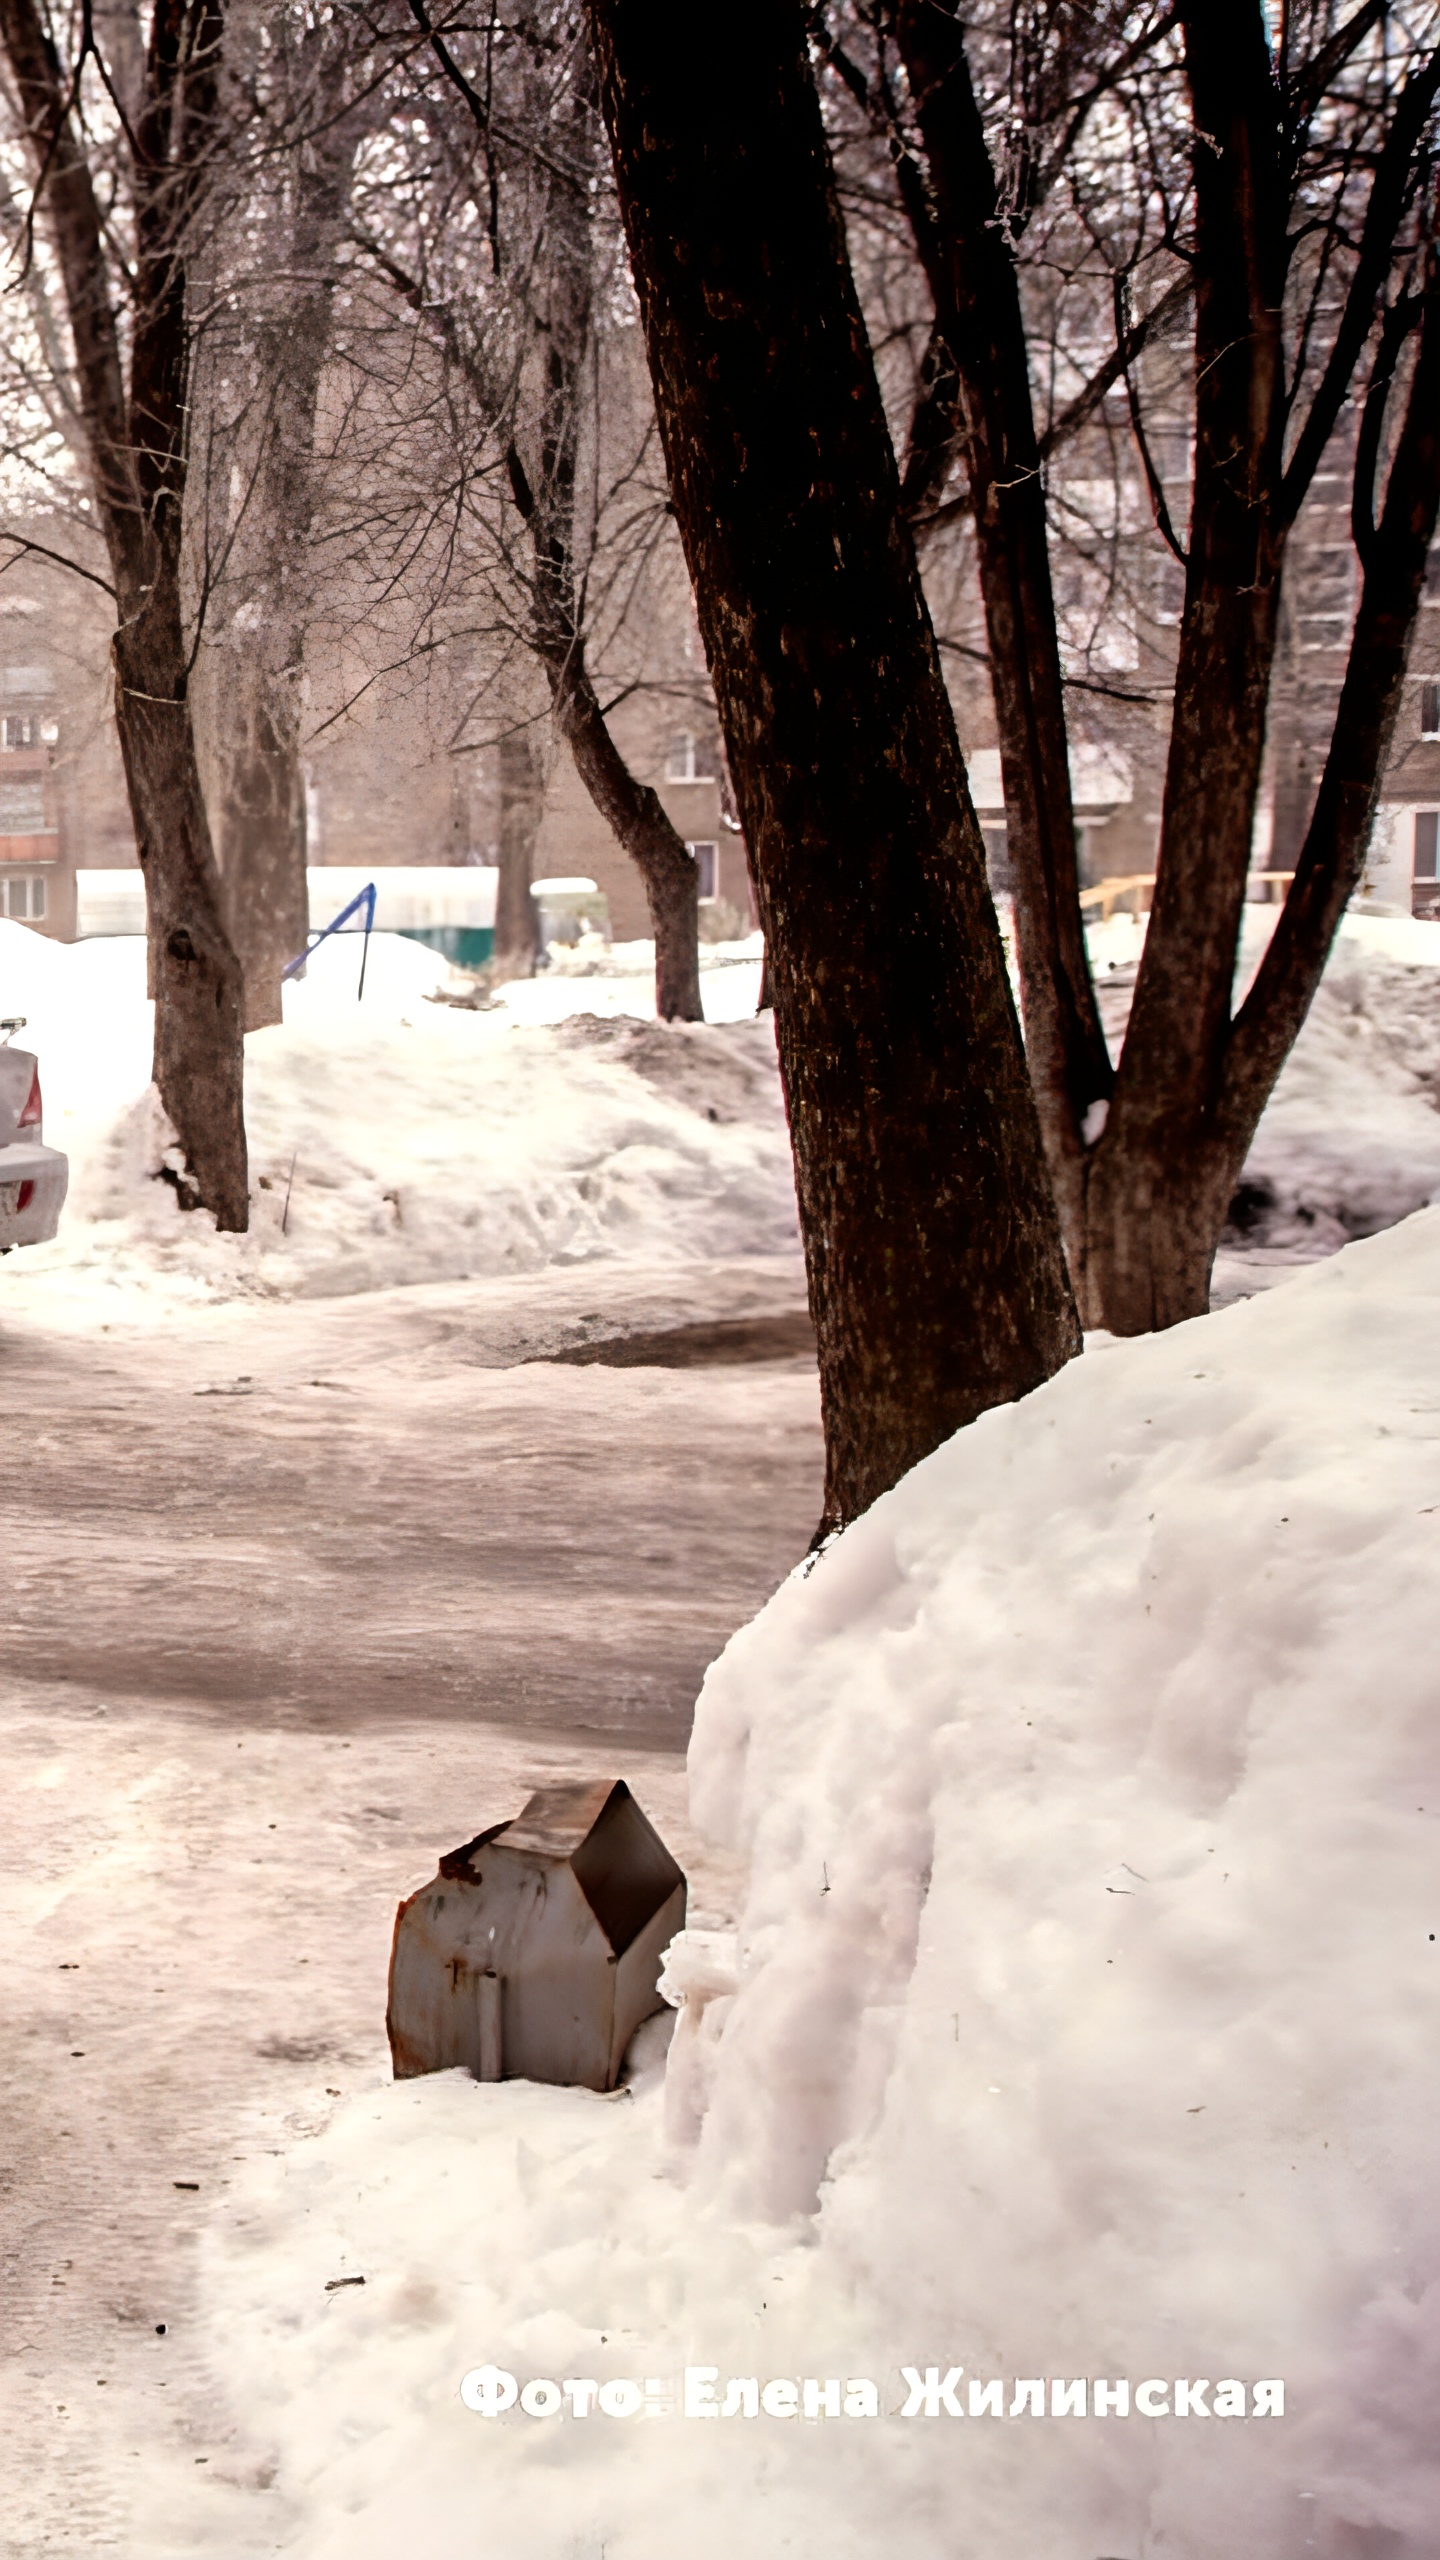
(22, 808)
(23, 898)
(1427, 843)
(683, 762)
(19, 730)
(1430, 709)
(707, 863)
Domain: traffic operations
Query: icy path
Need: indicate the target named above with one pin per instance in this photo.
(294, 1599)
(346, 1508)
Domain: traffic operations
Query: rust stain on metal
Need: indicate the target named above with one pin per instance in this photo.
(540, 1963)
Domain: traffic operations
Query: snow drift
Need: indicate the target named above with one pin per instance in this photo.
(399, 1141)
(402, 1140)
(1080, 2021)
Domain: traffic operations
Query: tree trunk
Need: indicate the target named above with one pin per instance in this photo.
(937, 1280)
(522, 800)
(563, 287)
(1156, 1188)
(982, 353)
(1157, 1216)
(1394, 555)
(256, 698)
(635, 816)
(630, 808)
(1193, 1082)
(259, 802)
(199, 1059)
(136, 436)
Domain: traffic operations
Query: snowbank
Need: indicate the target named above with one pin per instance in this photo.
(1085, 2026)
(1351, 1139)
(400, 1139)
(416, 1142)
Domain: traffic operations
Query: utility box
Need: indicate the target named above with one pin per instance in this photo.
(535, 1953)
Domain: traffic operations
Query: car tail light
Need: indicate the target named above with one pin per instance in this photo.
(32, 1115)
(27, 1194)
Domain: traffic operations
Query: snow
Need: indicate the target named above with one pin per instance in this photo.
(1350, 1141)
(1076, 2015)
(1083, 2025)
(402, 1140)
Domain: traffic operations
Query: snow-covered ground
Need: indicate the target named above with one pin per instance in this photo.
(402, 1139)
(1080, 2022)
(1351, 1139)
(1076, 2019)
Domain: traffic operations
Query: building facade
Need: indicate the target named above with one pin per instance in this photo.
(383, 792)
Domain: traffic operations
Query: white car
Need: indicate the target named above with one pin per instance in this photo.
(33, 1177)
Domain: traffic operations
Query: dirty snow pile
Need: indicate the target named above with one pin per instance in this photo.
(402, 1139)
(1081, 2023)
(1351, 1139)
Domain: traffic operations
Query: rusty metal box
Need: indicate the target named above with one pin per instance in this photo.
(535, 1952)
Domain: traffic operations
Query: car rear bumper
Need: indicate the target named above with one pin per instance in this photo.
(33, 1184)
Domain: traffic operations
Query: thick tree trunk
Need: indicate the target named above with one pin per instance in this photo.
(979, 367)
(1192, 1081)
(199, 1047)
(1144, 1203)
(522, 800)
(937, 1280)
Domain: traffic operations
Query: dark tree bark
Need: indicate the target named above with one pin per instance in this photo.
(978, 377)
(1192, 1082)
(632, 810)
(136, 439)
(1144, 1203)
(1152, 1222)
(635, 815)
(937, 1280)
(522, 800)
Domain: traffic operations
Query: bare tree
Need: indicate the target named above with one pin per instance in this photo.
(1286, 194)
(936, 1275)
(553, 289)
(272, 274)
(122, 154)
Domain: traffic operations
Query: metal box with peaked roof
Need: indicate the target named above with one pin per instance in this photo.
(535, 1952)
